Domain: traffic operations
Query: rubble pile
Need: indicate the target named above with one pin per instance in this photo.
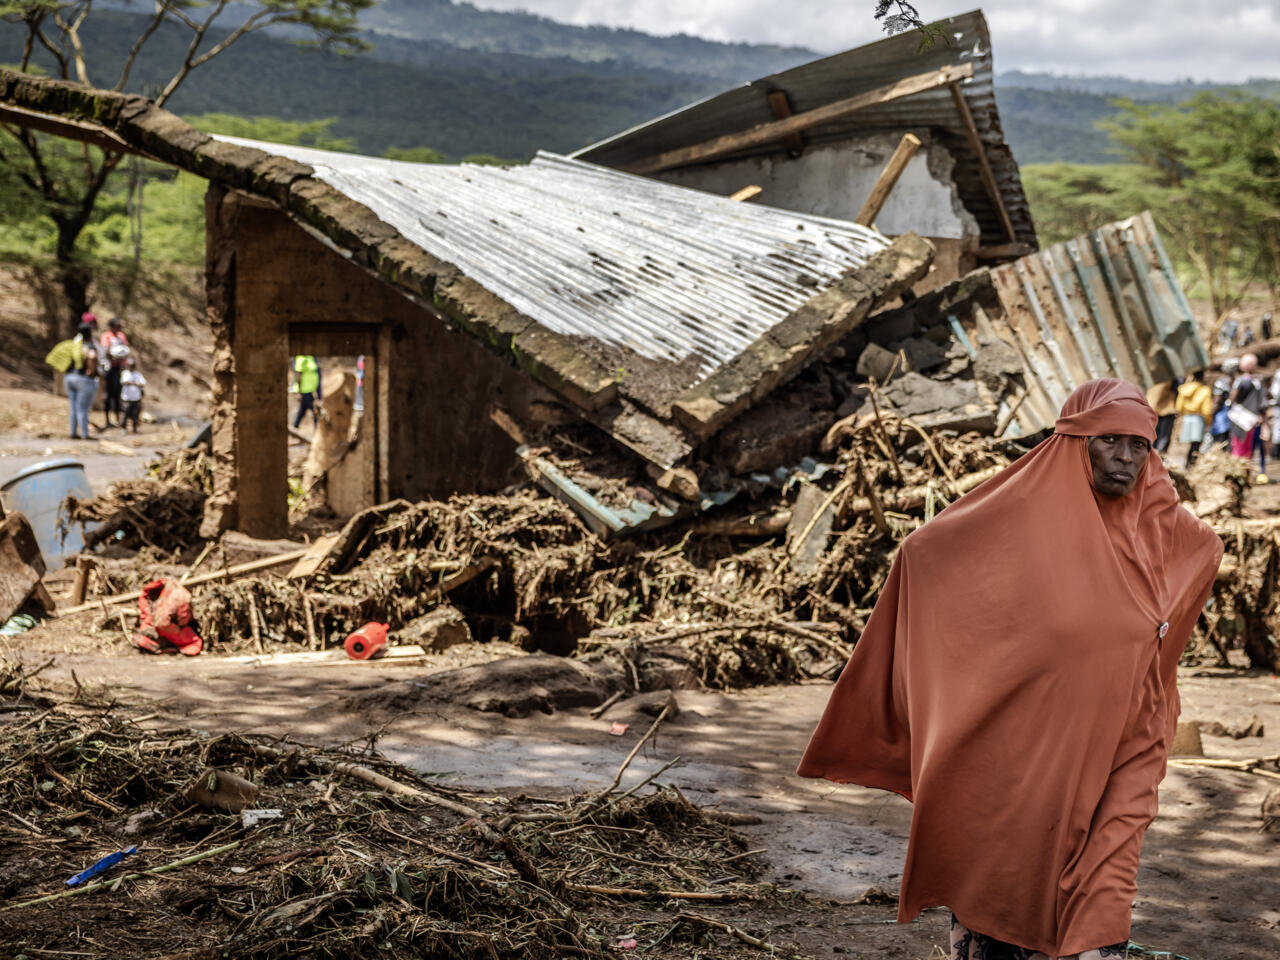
(1245, 603)
(248, 847)
(161, 511)
(771, 588)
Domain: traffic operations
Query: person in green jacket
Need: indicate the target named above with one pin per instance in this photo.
(306, 382)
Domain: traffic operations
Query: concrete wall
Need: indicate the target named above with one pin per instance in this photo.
(433, 387)
(833, 180)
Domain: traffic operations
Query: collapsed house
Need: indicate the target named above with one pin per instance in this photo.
(714, 340)
(815, 138)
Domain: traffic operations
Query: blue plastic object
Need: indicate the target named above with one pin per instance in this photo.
(106, 863)
(38, 493)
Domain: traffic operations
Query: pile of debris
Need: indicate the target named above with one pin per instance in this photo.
(161, 510)
(1223, 491)
(772, 587)
(270, 849)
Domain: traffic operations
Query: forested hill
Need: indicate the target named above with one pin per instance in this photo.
(465, 26)
(404, 94)
(466, 81)
(1048, 118)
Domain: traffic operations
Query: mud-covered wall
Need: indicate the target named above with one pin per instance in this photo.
(436, 388)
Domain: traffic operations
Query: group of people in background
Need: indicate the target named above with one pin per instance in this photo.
(92, 359)
(1240, 415)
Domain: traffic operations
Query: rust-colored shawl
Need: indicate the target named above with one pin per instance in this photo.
(1014, 684)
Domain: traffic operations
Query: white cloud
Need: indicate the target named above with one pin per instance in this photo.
(1227, 40)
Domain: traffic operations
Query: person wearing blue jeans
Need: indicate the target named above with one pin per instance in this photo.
(81, 382)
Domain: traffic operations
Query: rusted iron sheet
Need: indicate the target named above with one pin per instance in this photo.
(1106, 304)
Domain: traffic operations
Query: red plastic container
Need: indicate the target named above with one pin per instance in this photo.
(368, 642)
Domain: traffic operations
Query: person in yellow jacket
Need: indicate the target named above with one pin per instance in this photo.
(1195, 405)
(306, 383)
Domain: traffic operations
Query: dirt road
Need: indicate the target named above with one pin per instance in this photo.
(1208, 888)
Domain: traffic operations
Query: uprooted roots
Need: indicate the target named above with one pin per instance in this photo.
(346, 871)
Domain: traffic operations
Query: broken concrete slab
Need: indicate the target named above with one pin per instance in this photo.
(923, 354)
(877, 363)
(936, 405)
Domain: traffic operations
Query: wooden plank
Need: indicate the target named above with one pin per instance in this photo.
(336, 655)
(316, 555)
(984, 164)
(779, 129)
(780, 104)
(251, 566)
(1004, 251)
(888, 179)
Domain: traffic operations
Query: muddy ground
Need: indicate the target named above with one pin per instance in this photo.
(1208, 887)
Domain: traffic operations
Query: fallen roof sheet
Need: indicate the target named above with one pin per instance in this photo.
(666, 272)
(1106, 304)
(964, 40)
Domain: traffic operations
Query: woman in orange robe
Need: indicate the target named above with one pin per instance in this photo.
(1017, 683)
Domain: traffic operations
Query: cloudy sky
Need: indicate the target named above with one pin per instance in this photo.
(1224, 40)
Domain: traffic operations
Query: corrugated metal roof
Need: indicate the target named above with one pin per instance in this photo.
(965, 39)
(1106, 304)
(664, 271)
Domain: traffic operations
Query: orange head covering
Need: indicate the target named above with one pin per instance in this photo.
(1016, 681)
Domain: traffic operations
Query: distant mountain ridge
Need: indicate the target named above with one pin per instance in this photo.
(467, 27)
(465, 80)
(1116, 86)
(1051, 119)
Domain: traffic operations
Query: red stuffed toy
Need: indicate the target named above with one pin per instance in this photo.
(165, 613)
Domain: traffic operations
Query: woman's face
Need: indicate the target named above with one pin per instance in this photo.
(1117, 460)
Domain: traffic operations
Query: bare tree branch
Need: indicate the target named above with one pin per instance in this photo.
(260, 19)
(58, 55)
(28, 45)
(72, 32)
(196, 39)
(162, 8)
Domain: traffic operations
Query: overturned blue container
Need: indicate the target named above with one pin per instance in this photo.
(38, 492)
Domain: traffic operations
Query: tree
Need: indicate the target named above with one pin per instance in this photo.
(1213, 169)
(66, 182)
(1072, 199)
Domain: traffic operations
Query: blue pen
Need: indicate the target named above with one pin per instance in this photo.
(106, 863)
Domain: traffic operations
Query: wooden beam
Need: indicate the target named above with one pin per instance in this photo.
(63, 127)
(889, 176)
(984, 165)
(780, 104)
(1004, 251)
(252, 566)
(780, 129)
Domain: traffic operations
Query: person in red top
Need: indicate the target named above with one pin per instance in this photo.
(115, 350)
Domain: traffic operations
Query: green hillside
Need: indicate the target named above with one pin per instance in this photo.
(411, 94)
(1050, 119)
(466, 27)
